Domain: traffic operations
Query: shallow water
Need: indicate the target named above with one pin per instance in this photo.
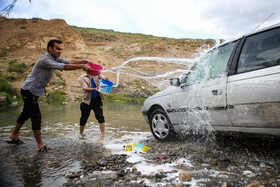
(22, 165)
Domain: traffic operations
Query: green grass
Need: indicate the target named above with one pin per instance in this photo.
(11, 49)
(12, 78)
(148, 52)
(55, 97)
(61, 81)
(101, 49)
(6, 87)
(123, 99)
(15, 67)
(88, 54)
(77, 57)
(147, 40)
(138, 84)
(115, 51)
(7, 90)
(113, 33)
(2, 54)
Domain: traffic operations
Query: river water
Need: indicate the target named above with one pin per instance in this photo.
(215, 161)
(22, 165)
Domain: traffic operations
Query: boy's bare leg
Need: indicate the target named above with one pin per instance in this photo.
(82, 128)
(102, 129)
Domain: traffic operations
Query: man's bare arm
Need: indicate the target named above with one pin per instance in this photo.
(78, 61)
(70, 67)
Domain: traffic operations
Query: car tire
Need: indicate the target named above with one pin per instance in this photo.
(160, 125)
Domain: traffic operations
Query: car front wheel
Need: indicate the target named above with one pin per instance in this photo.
(160, 125)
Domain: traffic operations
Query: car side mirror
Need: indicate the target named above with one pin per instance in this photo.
(175, 82)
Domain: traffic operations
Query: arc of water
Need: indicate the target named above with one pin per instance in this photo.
(147, 78)
(158, 59)
(118, 69)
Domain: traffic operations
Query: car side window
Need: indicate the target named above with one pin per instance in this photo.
(260, 51)
(212, 66)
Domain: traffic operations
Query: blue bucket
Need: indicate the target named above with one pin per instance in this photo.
(105, 86)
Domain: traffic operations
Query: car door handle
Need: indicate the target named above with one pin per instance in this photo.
(216, 92)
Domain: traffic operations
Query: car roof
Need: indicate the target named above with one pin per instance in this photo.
(253, 32)
(262, 29)
(245, 35)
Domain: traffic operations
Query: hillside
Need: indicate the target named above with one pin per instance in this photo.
(24, 40)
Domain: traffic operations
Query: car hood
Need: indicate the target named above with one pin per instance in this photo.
(162, 94)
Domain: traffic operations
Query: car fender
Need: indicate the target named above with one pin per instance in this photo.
(162, 100)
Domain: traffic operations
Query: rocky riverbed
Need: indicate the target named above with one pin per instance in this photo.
(196, 161)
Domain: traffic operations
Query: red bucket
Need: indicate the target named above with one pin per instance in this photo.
(95, 69)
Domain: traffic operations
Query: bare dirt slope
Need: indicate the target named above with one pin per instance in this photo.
(24, 40)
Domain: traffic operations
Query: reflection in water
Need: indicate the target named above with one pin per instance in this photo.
(22, 165)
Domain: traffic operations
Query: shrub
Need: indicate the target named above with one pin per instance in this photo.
(55, 97)
(7, 90)
(12, 78)
(123, 99)
(14, 67)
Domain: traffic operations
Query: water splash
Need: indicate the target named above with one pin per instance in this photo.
(211, 66)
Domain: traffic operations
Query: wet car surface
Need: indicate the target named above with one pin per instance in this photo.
(234, 87)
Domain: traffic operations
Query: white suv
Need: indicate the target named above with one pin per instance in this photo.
(235, 87)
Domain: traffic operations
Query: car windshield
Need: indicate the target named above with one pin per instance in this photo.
(213, 65)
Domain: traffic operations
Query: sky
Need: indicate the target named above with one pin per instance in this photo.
(196, 19)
